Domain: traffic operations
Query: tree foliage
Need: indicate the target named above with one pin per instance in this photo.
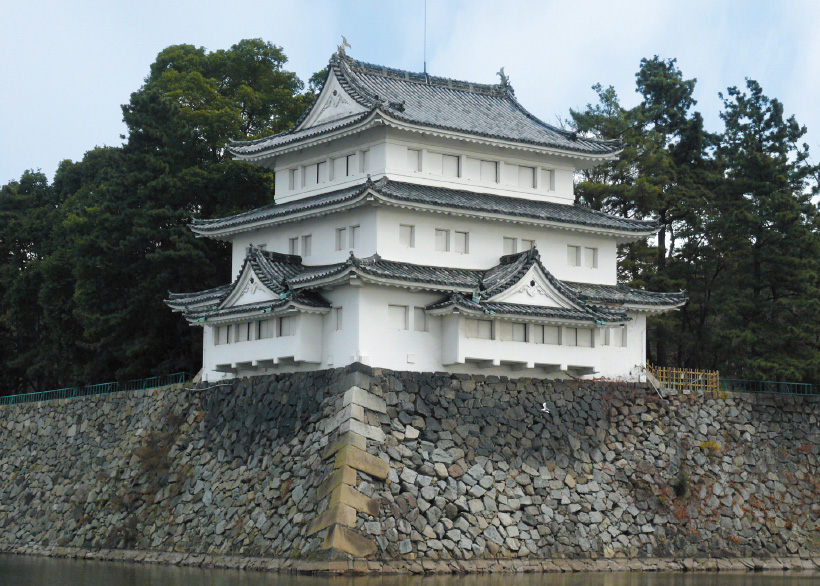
(738, 229)
(88, 259)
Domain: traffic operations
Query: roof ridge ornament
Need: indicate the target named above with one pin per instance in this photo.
(341, 48)
(505, 82)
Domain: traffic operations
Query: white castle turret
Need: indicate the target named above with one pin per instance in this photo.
(423, 224)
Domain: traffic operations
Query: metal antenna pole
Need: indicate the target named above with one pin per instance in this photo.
(425, 38)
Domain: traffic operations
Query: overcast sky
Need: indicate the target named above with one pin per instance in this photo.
(68, 66)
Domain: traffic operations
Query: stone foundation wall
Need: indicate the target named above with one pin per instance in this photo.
(413, 466)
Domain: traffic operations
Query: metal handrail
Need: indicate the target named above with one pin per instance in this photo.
(739, 385)
(98, 389)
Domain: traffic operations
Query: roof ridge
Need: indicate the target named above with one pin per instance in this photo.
(497, 90)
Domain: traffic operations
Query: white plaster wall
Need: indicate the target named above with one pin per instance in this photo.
(486, 242)
(372, 139)
(619, 362)
(367, 337)
(394, 349)
(323, 233)
(388, 156)
(305, 346)
(560, 189)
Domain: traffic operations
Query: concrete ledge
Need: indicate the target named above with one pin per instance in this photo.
(347, 495)
(361, 460)
(343, 539)
(339, 515)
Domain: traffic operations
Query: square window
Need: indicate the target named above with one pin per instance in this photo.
(510, 246)
(306, 245)
(526, 177)
(591, 258)
(461, 242)
(584, 337)
(397, 317)
(419, 319)
(449, 165)
(527, 244)
(574, 256)
(341, 238)
(293, 245)
(442, 240)
(354, 236)
(414, 160)
(570, 337)
(489, 171)
(407, 236)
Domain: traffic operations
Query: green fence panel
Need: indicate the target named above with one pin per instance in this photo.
(98, 389)
(738, 385)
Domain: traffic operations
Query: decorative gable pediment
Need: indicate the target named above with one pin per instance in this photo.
(534, 289)
(333, 103)
(249, 289)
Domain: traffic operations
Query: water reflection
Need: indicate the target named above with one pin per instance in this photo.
(36, 571)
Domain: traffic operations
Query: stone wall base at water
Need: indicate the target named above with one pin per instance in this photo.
(415, 471)
(426, 566)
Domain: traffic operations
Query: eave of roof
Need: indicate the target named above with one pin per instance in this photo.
(435, 199)
(500, 310)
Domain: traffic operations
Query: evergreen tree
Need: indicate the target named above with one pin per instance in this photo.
(768, 230)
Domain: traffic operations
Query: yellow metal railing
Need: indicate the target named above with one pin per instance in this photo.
(686, 379)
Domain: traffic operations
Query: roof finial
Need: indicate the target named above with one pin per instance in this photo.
(341, 48)
(505, 81)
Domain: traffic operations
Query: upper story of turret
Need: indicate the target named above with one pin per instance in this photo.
(412, 127)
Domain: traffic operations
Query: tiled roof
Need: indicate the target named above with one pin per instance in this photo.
(623, 295)
(295, 283)
(375, 266)
(489, 111)
(272, 268)
(437, 198)
(520, 310)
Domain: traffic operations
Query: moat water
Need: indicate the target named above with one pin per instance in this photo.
(41, 571)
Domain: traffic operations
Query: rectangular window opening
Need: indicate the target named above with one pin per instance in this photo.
(397, 317)
(419, 319)
(306, 245)
(354, 236)
(414, 160)
(407, 236)
(510, 246)
(286, 326)
(293, 245)
(489, 171)
(478, 328)
(337, 318)
(526, 177)
(461, 242)
(341, 238)
(266, 329)
(442, 240)
(574, 256)
(591, 258)
(449, 165)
